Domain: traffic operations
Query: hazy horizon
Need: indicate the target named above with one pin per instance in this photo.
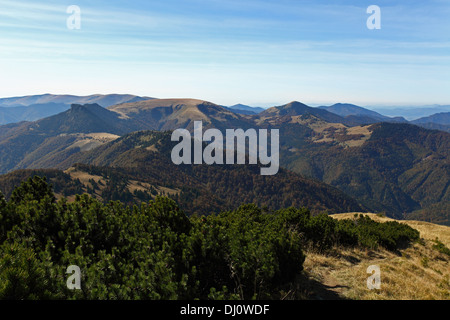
(256, 52)
(264, 105)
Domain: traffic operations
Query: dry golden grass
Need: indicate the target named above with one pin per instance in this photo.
(132, 186)
(143, 186)
(152, 148)
(102, 136)
(136, 107)
(180, 110)
(429, 231)
(418, 272)
(153, 103)
(365, 131)
(84, 177)
(334, 132)
(90, 141)
(187, 114)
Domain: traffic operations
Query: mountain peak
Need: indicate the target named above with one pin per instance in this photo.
(105, 100)
(296, 103)
(296, 108)
(170, 114)
(77, 107)
(80, 118)
(244, 109)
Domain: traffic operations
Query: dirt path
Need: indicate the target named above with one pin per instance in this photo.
(333, 286)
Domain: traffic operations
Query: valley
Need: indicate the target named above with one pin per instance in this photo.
(395, 168)
(219, 158)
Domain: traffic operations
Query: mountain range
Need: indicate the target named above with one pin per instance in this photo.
(412, 112)
(438, 121)
(348, 110)
(138, 166)
(244, 109)
(396, 168)
(103, 100)
(32, 108)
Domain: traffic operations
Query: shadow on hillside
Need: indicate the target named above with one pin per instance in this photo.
(311, 289)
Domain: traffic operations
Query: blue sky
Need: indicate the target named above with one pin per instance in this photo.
(253, 52)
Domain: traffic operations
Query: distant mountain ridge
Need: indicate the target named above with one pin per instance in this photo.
(393, 167)
(170, 114)
(346, 110)
(137, 165)
(360, 115)
(105, 100)
(30, 113)
(34, 144)
(35, 107)
(442, 118)
(412, 113)
(32, 108)
(295, 108)
(244, 109)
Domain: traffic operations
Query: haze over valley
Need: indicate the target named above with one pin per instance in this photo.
(382, 164)
(224, 150)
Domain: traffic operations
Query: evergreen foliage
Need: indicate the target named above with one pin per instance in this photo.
(154, 251)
